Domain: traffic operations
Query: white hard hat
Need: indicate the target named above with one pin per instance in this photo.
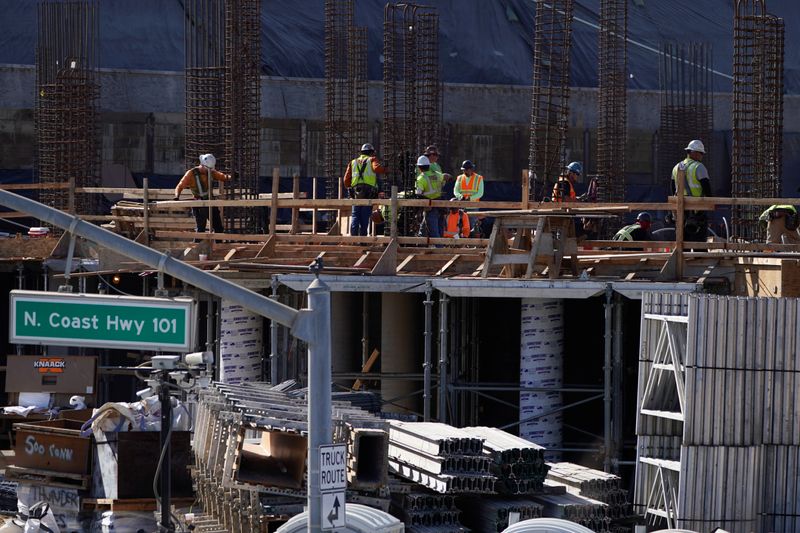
(696, 146)
(367, 147)
(423, 161)
(208, 160)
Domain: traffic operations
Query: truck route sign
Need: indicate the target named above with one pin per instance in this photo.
(91, 320)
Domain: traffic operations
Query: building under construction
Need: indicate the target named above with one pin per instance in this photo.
(533, 371)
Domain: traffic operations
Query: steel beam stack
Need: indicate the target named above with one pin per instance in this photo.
(250, 447)
(757, 111)
(423, 511)
(612, 101)
(67, 89)
(242, 110)
(518, 464)
(686, 109)
(552, 38)
(412, 89)
(440, 457)
(594, 484)
(579, 509)
(491, 514)
(725, 457)
(345, 90)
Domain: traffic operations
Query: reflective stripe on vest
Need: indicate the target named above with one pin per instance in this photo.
(368, 176)
(626, 233)
(470, 185)
(693, 187)
(449, 230)
(429, 191)
(197, 190)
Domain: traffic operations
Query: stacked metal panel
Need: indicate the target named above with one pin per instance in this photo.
(541, 372)
(250, 447)
(518, 464)
(439, 457)
(425, 511)
(493, 514)
(579, 509)
(594, 484)
(728, 456)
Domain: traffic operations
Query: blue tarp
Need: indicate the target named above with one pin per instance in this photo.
(482, 41)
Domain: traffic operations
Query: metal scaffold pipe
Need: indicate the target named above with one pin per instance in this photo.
(282, 314)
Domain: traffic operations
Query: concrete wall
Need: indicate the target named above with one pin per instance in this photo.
(485, 123)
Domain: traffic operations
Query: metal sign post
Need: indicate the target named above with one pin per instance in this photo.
(320, 431)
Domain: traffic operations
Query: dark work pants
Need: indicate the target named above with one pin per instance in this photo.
(201, 219)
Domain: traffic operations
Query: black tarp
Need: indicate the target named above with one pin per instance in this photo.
(482, 41)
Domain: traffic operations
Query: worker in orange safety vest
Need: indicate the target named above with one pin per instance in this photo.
(456, 224)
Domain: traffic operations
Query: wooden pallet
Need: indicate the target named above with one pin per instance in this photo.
(47, 477)
(130, 504)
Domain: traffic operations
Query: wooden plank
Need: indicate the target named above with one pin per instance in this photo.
(295, 196)
(273, 211)
(510, 259)
(497, 233)
(405, 263)
(268, 248)
(536, 245)
(32, 186)
(526, 188)
(367, 367)
(447, 265)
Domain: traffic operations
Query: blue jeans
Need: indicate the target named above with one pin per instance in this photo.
(432, 220)
(359, 219)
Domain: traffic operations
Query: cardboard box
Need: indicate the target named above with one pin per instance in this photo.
(70, 374)
(53, 445)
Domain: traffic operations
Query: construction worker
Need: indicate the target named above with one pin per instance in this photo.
(469, 185)
(361, 179)
(697, 185)
(199, 180)
(429, 185)
(456, 224)
(433, 155)
(638, 231)
(781, 222)
(564, 188)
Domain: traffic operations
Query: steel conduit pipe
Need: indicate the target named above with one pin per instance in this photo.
(262, 305)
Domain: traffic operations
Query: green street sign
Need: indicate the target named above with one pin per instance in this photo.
(100, 321)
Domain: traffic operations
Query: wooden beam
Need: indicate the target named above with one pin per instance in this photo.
(367, 367)
(448, 265)
(295, 196)
(268, 248)
(405, 263)
(273, 211)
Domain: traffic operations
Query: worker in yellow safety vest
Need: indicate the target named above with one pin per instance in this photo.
(782, 223)
(429, 185)
(697, 185)
(361, 180)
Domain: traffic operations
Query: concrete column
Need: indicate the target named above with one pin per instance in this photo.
(400, 343)
(345, 342)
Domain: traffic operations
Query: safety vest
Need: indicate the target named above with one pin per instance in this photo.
(199, 186)
(470, 185)
(693, 187)
(362, 171)
(430, 183)
(454, 223)
(626, 233)
(557, 190)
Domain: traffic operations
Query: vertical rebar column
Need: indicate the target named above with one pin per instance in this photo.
(242, 109)
(747, 77)
(612, 116)
(204, 26)
(686, 110)
(550, 97)
(67, 89)
(412, 97)
(339, 92)
(770, 142)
